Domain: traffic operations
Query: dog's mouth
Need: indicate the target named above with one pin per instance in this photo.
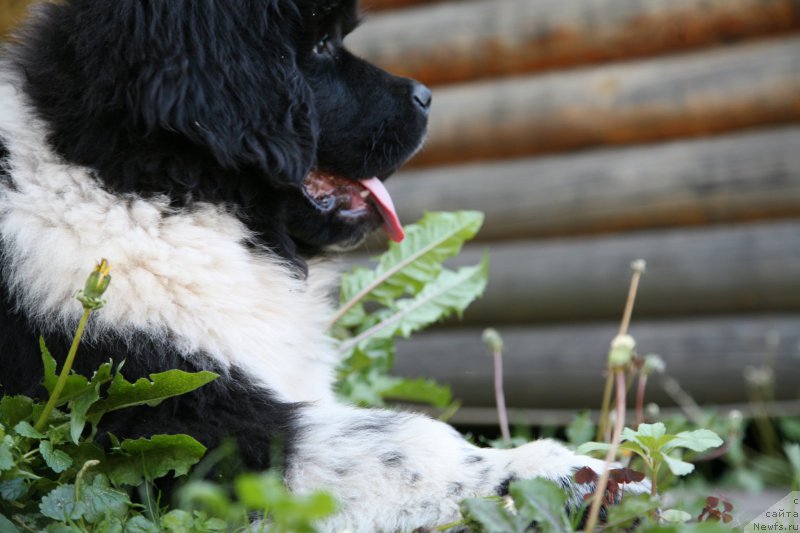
(353, 199)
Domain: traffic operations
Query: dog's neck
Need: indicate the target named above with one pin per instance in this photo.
(188, 277)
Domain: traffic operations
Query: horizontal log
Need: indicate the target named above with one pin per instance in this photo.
(744, 176)
(377, 5)
(562, 366)
(688, 95)
(459, 41)
(737, 268)
(723, 269)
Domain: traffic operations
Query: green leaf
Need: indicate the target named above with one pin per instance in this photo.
(7, 526)
(408, 266)
(490, 515)
(14, 409)
(101, 500)
(678, 467)
(78, 409)
(419, 390)
(6, 457)
(74, 385)
(450, 293)
(543, 501)
(140, 524)
(632, 507)
(13, 489)
(656, 431)
(26, 430)
(698, 440)
(57, 460)
(177, 521)
(49, 363)
(59, 504)
(675, 516)
(122, 393)
(152, 458)
(589, 447)
(581, 429)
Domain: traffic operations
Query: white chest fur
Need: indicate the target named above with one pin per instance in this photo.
(183, 277)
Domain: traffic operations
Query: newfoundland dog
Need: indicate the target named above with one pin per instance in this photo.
(211, 149)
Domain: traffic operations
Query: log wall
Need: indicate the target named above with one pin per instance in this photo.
(592, 133)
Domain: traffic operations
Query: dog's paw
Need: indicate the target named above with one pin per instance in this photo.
(577, 474)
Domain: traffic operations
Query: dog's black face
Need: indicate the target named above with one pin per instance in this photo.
(254, 104)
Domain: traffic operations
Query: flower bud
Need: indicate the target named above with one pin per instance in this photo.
(96, 285)
(621, 354)
(493, 340)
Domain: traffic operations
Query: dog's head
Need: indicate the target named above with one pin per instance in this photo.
(255, 104)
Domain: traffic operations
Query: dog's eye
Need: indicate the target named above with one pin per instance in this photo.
(324, 46)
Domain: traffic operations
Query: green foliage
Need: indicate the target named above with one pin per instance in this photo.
(653, 444)
(408, 290)
(58, 479)
(532, 500)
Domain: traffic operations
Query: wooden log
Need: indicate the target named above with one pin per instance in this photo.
(11, 12)
(561, 366)
(743, 176)
(458, 41)
(722, 269)
(378, 5)
(690, 95)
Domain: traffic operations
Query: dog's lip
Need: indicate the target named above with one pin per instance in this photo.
(353, 199)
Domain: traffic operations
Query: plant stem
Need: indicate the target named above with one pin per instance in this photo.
(602, 484)
(638, 270)
(640, 399)
(62, 378)
(654, 478)
(603, 420)
(500, 396)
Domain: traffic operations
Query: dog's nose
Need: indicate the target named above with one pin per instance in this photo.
(422, 97)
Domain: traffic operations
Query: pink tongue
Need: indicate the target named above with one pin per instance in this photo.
(391, 223)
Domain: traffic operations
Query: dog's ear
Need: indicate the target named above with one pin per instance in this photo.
(222, 74)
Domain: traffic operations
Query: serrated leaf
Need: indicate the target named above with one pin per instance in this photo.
(57, 460)
(419, 390)
(59, 504)
(408, 266)
(698, 440)
(73, 386)
(152, 458)
(101, 500)
(678, 467)
(450, 293)
(28, 431)
(122, 393)
(543, 501)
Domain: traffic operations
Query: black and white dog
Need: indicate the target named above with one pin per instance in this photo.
(210, 149)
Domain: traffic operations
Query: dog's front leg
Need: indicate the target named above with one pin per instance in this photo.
(397, 472)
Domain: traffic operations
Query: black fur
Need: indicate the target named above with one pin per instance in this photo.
(221, 101)
(231, 102)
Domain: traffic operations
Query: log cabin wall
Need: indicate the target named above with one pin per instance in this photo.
(592, 133)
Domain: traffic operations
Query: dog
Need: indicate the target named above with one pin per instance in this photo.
(213, 151)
